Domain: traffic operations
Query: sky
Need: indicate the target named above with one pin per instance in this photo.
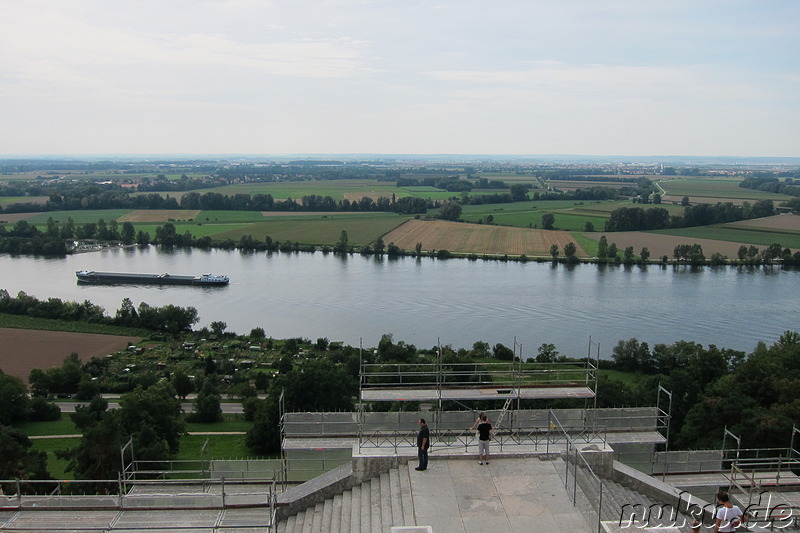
(611, 77)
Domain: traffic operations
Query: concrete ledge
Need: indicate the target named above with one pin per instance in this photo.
(661, 492)
(314, 491)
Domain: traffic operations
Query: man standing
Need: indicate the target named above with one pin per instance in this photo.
(423, 443)
(485, 433)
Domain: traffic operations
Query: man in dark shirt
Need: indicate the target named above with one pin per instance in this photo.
(423, 443)
(485, 432)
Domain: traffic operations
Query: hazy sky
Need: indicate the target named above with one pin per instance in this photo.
(631, 77)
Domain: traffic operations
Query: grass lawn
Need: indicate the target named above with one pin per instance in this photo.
(630, 379)
(62, 426)
(57, 467)
(219, 447)
(49, 324)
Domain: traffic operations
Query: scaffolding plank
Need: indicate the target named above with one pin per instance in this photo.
(635, 437)
(498, 393)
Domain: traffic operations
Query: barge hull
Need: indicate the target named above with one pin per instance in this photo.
(92, 277)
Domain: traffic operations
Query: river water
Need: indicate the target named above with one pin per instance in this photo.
(455, 301)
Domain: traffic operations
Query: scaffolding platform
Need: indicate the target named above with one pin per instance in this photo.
(396, 394)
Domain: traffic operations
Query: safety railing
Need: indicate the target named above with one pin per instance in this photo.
(539, 438)
(404, 375)
(575, 462)
(124, 494)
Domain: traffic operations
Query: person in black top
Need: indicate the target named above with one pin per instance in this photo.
(485, 432)
(423, 443)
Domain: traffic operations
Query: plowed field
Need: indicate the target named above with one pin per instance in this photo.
(477, 238)
(786, 221)
(22, 350)
(660, 245)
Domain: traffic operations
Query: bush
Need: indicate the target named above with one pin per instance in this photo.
(41, 410)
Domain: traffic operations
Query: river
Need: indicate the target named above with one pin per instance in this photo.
(455, 301)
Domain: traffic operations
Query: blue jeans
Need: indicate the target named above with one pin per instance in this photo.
(422, 455)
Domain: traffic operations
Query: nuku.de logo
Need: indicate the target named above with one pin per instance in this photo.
(639, 516)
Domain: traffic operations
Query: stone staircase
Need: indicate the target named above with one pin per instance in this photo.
(372, 507)
(621, 502)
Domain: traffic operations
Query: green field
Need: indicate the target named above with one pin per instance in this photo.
(336, 189)
(49, 324)
(5, 200)
(569, 214)
(320, 229)
(723, 188)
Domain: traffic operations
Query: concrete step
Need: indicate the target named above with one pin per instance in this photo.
(336, 514)
(289, 524)
(355, 510)
(406, 500)
(366, 507)
(319, 518)
(299, 522)
(387, 516)
(394, 492)
(375, 504)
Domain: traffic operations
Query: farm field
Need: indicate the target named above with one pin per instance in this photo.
(158, 215)
(660, 244)
(22, 350)
(319, 229)
(739, 235)
(570, 215)
(5, 200)
(336, 189)
(79, 216)
(713, 190)
(477, 238)
(777, 222)
(570, 185)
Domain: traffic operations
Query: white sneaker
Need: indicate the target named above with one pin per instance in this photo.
(480, 462)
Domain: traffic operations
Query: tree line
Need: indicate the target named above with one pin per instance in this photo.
(653, 218)
(169, 318)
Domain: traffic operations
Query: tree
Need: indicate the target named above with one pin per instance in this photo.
(629, 254)
(588, 227)
(554, 251)
(612, 250)
(342, 246)
(503, 353)
(547, 353)
(644, 254)
(519, 192)
(264, 436)
(318, 385)
(548, 220)
(570, 249)
(480, 350)
(602, 247)
(685, 201)
(183, 384)
(20, 460)
(206, 407)
(151, 417)
(13, 399)
(449, 210)
(218, 327)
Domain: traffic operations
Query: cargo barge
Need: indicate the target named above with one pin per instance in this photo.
(91, 276)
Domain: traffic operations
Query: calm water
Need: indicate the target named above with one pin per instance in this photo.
(458, 301)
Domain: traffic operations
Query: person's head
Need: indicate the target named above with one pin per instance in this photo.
(722, 497)
(483, 417)
(421, 422)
